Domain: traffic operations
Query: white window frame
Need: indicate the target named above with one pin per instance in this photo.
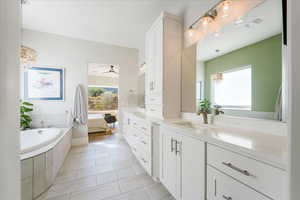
(231, 107)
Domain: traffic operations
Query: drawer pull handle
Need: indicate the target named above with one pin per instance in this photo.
(134, 135)
(144, 128)
(178, 148)
(172, 144)
(144, 142)
(152, 110)
(245, 172)
(145, 161)
(227, 198)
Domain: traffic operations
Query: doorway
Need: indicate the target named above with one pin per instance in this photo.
(103, 98)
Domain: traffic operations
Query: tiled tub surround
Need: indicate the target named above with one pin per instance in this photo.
(106, 169)
(40, 166)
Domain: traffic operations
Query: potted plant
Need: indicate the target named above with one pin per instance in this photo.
(25, 119)
(205, 109)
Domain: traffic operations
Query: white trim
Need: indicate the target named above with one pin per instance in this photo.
(80, 141)
(103, 86)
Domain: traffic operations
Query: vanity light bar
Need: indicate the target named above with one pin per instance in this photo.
(211, 13)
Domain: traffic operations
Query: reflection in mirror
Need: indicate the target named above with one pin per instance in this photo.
(240, 67)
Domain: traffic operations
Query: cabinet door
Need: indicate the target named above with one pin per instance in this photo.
(158, 59)
(193, 169)
(169, 162)
(150, 61)
(223, 187)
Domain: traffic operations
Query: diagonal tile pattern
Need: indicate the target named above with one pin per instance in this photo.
(105, 169)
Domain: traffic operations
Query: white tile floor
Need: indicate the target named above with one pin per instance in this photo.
(105, 169)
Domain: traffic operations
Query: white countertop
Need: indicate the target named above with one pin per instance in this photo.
(268, 148)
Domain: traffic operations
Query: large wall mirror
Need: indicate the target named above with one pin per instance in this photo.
(240, 68)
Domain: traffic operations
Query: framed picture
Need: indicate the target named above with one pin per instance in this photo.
(44, 84)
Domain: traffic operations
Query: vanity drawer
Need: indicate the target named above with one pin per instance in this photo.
(154, 100)
(223, 187)
(145, 160)
(154, 110)
(143, 126)
(145, 143)
(262, 177)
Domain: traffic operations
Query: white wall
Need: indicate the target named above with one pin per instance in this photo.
(9, 99)
(294, 96)
(103, 81)
(74, 55)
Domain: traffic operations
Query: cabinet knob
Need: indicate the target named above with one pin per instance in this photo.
(227, 198)
(144, 142)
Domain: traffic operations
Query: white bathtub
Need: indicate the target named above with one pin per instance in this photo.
(43, 152)
(34, 139)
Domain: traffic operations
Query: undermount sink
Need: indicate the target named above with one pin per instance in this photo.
(195, 125)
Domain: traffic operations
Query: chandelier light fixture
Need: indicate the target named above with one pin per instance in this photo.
(224, 12)
(28, 55)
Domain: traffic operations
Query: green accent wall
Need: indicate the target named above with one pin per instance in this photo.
(265, 57)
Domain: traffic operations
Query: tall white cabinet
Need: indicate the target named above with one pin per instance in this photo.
(163, 74)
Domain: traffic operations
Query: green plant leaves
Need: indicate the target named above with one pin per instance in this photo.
(205, 106)
(25, 119)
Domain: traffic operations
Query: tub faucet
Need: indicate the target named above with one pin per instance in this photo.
(42, 123)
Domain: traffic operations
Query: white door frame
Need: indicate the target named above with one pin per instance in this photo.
(10, 32)
(294, 97)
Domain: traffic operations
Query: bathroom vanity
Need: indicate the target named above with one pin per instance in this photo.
(241, 155)
(209, 161)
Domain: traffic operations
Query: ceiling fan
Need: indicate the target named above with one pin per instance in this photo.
(111, 70)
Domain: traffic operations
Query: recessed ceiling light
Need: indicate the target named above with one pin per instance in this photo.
(217, 34)
(257, 21)
(239, 21)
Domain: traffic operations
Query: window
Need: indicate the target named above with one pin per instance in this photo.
(232, 89)
(102, 98)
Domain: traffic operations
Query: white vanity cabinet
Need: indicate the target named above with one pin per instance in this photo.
(223, 187)
(245, 177)
(182, 165)
(163, 60)
(138, 134)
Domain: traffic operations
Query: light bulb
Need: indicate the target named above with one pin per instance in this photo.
(226, 5)
(216, 34)
(206, 20)
(191, 32)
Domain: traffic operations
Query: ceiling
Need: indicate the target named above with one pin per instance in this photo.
(117, 22)
(262, 22)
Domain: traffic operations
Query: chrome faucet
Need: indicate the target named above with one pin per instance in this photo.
(216, 111)
(42, 124)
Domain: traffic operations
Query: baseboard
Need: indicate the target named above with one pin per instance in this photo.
(80, 141)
